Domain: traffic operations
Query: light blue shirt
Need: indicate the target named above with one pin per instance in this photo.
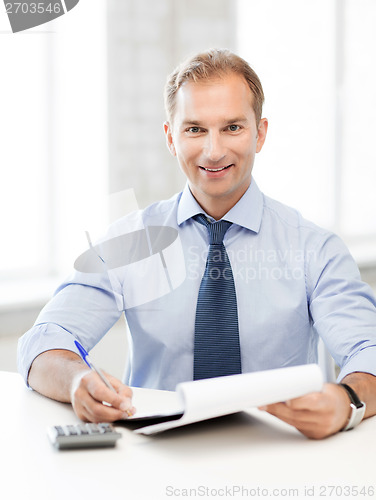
(294, 282)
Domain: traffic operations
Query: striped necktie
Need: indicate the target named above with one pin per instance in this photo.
(216, 346)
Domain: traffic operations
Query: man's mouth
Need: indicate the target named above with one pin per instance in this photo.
(216, 169)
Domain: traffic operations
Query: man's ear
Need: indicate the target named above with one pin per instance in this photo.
(169, 141)
(261, 134)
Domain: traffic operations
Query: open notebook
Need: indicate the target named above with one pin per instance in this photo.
(214, 397)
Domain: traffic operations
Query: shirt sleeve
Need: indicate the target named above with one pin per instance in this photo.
(84, 308)
(342, 307)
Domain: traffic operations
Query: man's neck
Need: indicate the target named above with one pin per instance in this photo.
(217, 207)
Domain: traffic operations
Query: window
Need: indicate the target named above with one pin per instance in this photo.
(25, 96)
(53, 156)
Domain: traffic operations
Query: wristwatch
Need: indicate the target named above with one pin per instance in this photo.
(358, 408)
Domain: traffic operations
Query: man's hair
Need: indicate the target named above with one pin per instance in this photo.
(210, 65)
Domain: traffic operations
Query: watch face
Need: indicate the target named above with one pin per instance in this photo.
(357, 414)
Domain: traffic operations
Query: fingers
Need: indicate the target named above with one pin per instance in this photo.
(303, 420)
(307, 402)
(316, 415)
(121, 399)
(93, 401)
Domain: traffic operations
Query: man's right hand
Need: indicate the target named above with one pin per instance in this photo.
(62, 375)
(93, 401)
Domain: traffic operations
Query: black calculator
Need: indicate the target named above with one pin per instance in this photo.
(83, 436)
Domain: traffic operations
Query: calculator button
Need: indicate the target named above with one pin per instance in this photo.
(93, 428)
(104, 426)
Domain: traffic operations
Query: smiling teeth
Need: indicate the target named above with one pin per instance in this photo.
(215, 169)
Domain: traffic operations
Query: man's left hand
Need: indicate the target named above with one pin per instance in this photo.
(316, 415)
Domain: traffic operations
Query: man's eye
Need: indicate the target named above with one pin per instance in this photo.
(233, 128)
(194, 130)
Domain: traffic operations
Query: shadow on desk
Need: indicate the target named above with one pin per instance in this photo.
(242, 429)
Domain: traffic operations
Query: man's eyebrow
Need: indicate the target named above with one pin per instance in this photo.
(226, 121)
(191, 122)
(239, 119)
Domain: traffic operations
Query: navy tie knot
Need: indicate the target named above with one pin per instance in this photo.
(217, 230)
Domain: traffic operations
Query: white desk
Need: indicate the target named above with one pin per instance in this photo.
(248, 450)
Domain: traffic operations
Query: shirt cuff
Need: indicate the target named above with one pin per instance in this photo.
(363, 361)
(38, 339)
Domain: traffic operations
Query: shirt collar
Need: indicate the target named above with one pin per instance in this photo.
(246, 213)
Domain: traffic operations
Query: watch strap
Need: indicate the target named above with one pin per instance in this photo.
(357, 406)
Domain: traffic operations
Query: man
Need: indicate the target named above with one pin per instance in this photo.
(294, 281)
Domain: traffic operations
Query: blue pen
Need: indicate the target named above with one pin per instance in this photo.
(91, 365)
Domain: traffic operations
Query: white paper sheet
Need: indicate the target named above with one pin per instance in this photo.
(209, 398)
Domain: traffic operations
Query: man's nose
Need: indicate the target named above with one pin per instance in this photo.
(214, 148)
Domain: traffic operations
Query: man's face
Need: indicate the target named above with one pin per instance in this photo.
(215, 138)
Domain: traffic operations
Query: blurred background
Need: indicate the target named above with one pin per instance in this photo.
(81, 115)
